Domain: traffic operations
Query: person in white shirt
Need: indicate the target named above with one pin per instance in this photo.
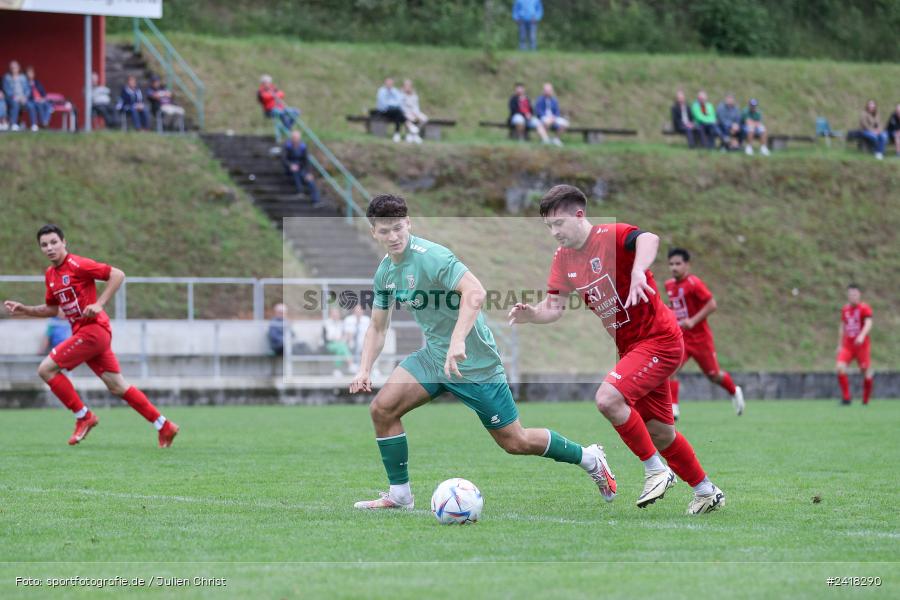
(412, 112)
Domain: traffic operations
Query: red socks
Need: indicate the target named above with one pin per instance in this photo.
(139, 402)
(845, 386)
(727, 383)
(673, 390)
(867, 389)
(63, 389)
(635, 435)
(681, 458)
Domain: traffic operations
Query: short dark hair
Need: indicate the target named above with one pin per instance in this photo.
(854, 286)
(684, 254)
(561, 197)
(386, 206)
(50, 228)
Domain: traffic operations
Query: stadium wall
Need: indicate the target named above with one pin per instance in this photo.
(319, 391)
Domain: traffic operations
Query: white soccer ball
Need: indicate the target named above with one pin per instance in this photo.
(456, 501)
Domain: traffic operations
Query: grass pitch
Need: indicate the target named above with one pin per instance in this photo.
(262, 496)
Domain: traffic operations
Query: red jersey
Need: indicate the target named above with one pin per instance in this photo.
(600, 272)
(71, 287)
(686, 298)
(853, 318)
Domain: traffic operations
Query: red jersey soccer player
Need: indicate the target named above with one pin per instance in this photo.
(608, 266)
(70, 287)
(692, 302)
(854, 342)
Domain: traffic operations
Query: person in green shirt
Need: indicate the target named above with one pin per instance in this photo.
(459, 357)
(705, 119)
(753, 127)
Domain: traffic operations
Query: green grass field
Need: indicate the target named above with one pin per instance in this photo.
(262, 496)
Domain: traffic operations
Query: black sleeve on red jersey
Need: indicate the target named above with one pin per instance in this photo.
(631, 240)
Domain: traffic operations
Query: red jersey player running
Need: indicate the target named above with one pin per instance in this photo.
(692, 302)
(608, 267)
(70, 287)
(854, 343)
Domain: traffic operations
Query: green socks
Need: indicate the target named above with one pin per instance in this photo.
(395, 456)
(561, 449)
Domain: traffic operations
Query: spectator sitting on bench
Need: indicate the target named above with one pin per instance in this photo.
(275, 334)
(17, 92)
(752, 126)
(161, 101)
(411, 111)
(39, 110)
(704, 116)
(728, 116)
(521, 115)
(333, 331)
(131, 104)
(547, 108)
(273, 105)
(870, 127)
(101, 100)
(682, 121)
(893, 128)
(4, 122)
(295, 158)
(389, 106)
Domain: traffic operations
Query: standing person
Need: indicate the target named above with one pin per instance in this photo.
(692, 303)
(71, 287)
(682, 121)
(17, 92)
(854, 343)
(522, 117)
(526, 14)
(39, 109)
(295, 158)
(752, 125)
(547, 109)
(413, 113)
(459, 357)
(870, 126)
(389, 105)
(607, 266)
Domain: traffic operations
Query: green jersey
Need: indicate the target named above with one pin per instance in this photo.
(424, 282)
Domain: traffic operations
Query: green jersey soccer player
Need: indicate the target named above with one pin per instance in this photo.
(459, 357)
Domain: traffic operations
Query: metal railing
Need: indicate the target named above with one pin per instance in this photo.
(345, 188)
(169, 58)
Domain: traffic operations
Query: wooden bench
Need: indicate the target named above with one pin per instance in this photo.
(381, 127)
(590, 135)
(863, 144)
(777, 141)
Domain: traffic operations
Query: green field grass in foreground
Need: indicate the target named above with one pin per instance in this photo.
(262, 496)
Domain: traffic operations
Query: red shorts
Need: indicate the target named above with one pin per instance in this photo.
(642, 376)
(702, 350)
(90, 344)
(850, 352)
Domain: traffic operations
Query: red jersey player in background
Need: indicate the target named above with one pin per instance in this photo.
(692, 302)
(854, 343)
(70, 287)
(608, 267)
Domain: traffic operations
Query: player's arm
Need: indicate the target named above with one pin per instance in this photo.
(116, 277)
(707, 309)
(867, 327)
(645, 248)
(472, 296)
(373, 344)
(41, 310)
(548, 310)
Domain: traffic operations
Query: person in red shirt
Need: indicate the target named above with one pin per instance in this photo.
(854, 343)
(70, 288)
(692, 302)
(607, 267)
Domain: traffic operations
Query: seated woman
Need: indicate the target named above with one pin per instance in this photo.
(415, 118)
(870, 126)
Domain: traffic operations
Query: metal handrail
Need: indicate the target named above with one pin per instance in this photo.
(171, 54)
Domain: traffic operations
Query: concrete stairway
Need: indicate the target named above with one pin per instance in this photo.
(324, 241)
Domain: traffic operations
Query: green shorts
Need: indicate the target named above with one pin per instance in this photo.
(492, 400)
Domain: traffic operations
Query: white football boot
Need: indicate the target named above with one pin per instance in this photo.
(602, 475)
(702, 504)
(384, 502)
(737, 400)
(655, 485)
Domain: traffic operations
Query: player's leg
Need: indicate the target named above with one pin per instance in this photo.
(709, 364)
(494, 404)
(844, 356)
(68, 355)
(107, 369)
(863, 358)
(675, 385)
(407, 388)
